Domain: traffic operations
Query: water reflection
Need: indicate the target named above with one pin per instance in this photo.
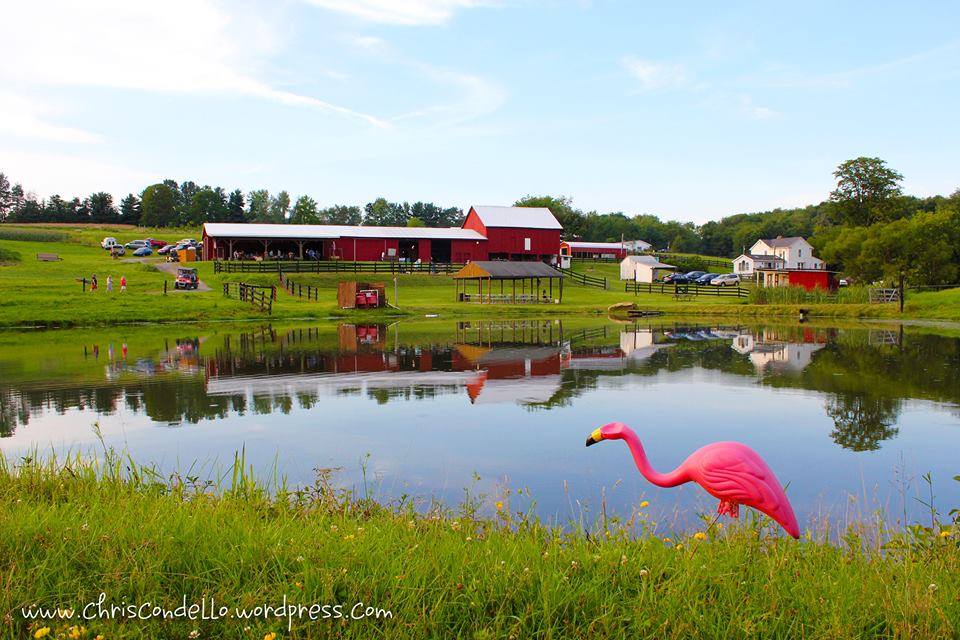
(864, 375)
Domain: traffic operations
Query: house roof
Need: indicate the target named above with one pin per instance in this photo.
(333, 231)
(759, 256)
(528, 217)
(781, 241)
(504, 270)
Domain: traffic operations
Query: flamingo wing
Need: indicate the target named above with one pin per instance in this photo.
(736, 473)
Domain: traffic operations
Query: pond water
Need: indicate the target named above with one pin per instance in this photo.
(849, 418)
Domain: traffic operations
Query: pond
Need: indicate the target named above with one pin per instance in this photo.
(850, 418)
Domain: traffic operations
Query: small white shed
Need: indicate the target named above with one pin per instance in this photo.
(643, 269)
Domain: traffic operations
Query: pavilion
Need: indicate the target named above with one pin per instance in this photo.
(508, 282)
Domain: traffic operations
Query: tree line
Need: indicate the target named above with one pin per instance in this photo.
(172, 204)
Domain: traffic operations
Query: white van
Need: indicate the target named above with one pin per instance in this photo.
(109, 243)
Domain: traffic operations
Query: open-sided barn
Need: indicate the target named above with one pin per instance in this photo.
(509, 233)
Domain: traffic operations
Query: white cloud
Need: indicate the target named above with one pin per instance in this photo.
(655, 75)
(401, 12)
(25, 118)
(370, 43)
(756, 111)
(186, 46)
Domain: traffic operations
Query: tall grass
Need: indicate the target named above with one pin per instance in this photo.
(799, 295)
(32, 235)
(9, 256)
(75, 527)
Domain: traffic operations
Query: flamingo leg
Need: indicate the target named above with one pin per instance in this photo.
(731, 509)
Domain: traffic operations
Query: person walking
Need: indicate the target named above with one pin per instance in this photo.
(123, 283)
(109, 284)
(93, 283)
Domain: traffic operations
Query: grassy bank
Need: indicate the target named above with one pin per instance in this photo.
(73, 530)
(36, 293)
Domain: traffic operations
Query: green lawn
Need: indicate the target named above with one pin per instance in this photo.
(71, 531)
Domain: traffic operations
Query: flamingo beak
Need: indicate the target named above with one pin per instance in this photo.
(594, 437)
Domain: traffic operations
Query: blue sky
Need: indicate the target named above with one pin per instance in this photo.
(692, 111)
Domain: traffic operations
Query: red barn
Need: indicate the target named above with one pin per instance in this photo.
(593, 250)
(507, 233)
(809, 279)
(517, 233)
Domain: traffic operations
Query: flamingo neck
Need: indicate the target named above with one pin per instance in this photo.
(671, 479)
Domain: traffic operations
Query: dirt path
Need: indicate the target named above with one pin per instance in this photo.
(171, 268)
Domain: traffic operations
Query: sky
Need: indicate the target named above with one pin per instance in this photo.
(690, 111)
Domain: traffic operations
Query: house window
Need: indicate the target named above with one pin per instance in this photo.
(526, 244)
(799, 253)
(800, 265)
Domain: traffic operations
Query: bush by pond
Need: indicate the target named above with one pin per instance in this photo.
(799, 295)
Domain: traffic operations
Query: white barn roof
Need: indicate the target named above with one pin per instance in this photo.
(527, 217)
(333, 231)
(576, 244)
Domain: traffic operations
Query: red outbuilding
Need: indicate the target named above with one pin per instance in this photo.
(517, 233)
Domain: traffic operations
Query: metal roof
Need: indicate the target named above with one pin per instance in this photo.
(650, 261)
(333, 231)
(526, 217)
(504, 270)
(576, 244)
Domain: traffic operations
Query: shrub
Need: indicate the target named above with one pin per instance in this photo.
(9, 256)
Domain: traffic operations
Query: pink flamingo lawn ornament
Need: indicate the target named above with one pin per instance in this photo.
(730, 471)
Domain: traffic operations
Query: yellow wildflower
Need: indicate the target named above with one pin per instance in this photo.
(644, 504)
(270, 636)
(499, 505)
(75, 632)
(700, 535)
(299, 585)
(42, 632)
(679, 546)
(100, 637)
(946, 533)
(667, 540)
(349, 537)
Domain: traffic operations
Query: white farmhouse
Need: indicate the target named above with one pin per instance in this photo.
(643, 269)
(788, 254)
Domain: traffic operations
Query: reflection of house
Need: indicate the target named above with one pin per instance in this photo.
(765, 352)
(639, 344)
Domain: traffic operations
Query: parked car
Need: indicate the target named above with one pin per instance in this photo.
(108, 243)
(164, 250)
(705, 279)
(686, 278)
(143, 251)
(186, 278)
(844, 282)
(117, 250)
(156, 244)
(726, 280)
(137, 244)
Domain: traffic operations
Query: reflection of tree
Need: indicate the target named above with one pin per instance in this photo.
(862, 421)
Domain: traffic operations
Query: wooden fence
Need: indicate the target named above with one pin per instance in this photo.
(259, 296)
(680, 290)
(586, 280)
(878, 296)
(298, 289)
(332, 266)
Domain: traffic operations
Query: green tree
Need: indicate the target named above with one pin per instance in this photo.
(305, 211)
(414, 221)
(6, 198)
(158, 205)
(435, 216)
(279, 207)
(341, 214)
(258, 203)
(206, 205)
(235, 207)
(381, 213)
(101, 208)
(130, 210)
(866, 191)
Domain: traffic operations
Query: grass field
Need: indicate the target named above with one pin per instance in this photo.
(72, 530)
(39, 293)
